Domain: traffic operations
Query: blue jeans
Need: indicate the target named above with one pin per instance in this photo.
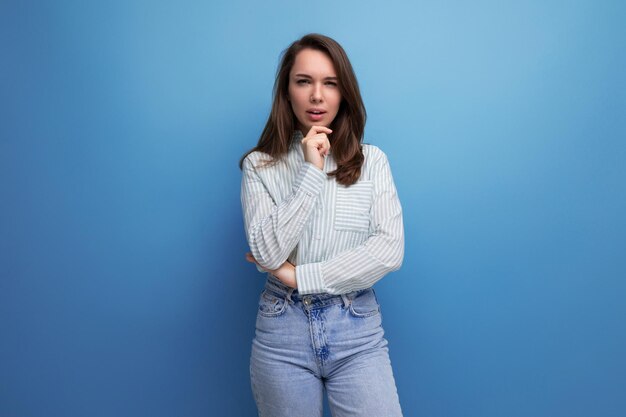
(305, 344)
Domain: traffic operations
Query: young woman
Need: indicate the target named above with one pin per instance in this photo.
(323, 219)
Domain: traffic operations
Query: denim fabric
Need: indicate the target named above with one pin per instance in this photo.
(307, 344)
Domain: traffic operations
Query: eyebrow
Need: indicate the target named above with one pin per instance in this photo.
(308, 76)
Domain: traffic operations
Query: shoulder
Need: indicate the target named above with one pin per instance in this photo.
(255, 156)
(254, 159)
(376, 165)
(373, 154)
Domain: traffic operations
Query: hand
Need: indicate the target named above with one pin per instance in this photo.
(286, 273)
(315, 145)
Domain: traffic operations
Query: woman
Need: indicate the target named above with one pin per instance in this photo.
(323, 219)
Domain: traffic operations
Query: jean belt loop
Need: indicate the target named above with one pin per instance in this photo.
(346, 300)
(288, 297)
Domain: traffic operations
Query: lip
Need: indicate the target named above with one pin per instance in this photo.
(316, 117)
(316, 109)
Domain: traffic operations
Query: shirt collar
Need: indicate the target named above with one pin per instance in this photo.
(297, 137)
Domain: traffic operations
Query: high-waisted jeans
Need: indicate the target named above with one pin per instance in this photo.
(305, 344)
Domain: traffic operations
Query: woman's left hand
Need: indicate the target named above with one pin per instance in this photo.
(286, 273)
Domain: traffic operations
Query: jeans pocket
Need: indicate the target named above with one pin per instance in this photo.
(271, 305)
(364, 304)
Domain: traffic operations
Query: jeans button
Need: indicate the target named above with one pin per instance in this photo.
(306, 301)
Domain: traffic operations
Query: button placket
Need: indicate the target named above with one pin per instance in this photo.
(315, 223)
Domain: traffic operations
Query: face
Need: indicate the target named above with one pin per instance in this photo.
(313, 86)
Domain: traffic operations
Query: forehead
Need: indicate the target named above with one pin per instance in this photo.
(314, 63)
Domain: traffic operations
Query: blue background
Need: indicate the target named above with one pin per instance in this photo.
(124, 290)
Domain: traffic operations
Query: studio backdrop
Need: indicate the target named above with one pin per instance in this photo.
(124, 290)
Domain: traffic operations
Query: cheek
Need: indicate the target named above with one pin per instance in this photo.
(337, 102)
(297, 100)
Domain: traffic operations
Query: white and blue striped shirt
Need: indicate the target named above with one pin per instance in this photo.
(339, 238)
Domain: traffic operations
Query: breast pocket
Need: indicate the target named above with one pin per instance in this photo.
(352, 211)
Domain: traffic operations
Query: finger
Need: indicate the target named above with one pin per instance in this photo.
(323, 147)
(318, 129)
(317, 141)
(315, 137)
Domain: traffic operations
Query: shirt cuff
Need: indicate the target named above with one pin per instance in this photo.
(309, 278)
(310, 178)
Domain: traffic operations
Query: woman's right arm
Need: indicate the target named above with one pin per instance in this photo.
(273, 230)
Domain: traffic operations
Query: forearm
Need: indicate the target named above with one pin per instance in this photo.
(273, 231)
(286, 273)
(363, 265)
(357, 268)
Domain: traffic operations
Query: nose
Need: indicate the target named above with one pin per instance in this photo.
(316, 94)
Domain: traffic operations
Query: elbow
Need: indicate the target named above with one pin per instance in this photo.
(390, 251)
(268, 257)
(398, 256)
(395, 244)
(270, 264)
(396, 263)
(265, 259)
(393, 260)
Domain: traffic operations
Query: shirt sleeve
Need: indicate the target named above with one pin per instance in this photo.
(273, 230)
(363, 265)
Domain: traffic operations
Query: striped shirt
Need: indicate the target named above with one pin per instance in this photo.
(339, 238)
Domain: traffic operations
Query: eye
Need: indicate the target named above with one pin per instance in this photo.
(332, 83)
(302, 81)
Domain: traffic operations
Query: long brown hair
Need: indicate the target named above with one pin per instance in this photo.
(348, 126)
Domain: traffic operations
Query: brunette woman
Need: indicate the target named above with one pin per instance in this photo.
(324, 222)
